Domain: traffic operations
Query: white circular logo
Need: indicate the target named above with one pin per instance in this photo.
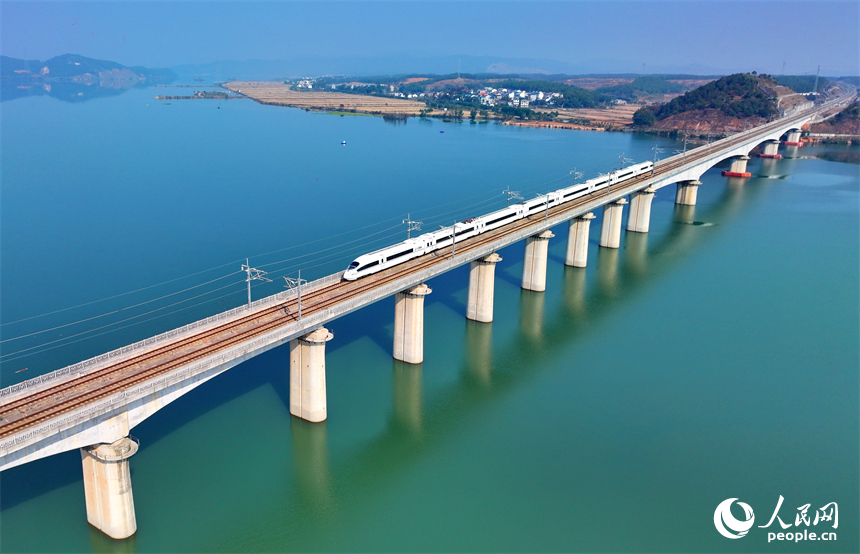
(724, 519)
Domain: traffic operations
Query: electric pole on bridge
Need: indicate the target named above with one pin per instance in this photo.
(658, 150)
(296, 283)
(253, 274)
(411, 226)
(511, 195)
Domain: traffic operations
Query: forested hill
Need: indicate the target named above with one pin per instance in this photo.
(641, 86)
(735, 95)
(721, 105)
(71, 67)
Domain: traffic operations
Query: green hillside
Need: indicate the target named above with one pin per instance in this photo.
(736, 95)
(641, 86)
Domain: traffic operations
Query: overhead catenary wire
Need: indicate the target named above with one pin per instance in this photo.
(115, 311)
(112, 312)
(341, 245)
(239, 260)
(13, 355)
(117, 322)
(324, 260)
(120, 294)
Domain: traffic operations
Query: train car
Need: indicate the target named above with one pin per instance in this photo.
(502, 217)
(368, 264)
(598, 183)
(374, 262)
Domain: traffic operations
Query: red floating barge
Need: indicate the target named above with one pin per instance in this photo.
(793, 143)
(735, 174)
(774, 156)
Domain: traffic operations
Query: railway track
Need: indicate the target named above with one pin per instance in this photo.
(18, 414)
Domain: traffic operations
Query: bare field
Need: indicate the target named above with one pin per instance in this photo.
(614, 116)
(280, 94)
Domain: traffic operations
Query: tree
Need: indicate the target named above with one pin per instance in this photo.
(644, 117)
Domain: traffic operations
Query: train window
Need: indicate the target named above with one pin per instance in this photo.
(504, 217)
(353, 265)
(368, 266)
(464, 231)
(399, 254)
(536, 206)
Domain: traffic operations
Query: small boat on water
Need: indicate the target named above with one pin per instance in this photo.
(343, 143)
(20, 370)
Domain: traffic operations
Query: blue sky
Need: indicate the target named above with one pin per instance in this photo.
(730, 36)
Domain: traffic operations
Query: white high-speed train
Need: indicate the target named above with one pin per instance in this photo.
(390, 256)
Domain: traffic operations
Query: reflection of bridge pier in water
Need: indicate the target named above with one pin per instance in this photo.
(532, 314)
(607, 272)
(792, 152)
(407, 380)
(735, 194)
(573, 291)
(310, 459)
(771, 167)
(479, 352)
(636, 254)
(684, 214)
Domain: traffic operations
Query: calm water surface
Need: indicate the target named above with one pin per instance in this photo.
(714, 358)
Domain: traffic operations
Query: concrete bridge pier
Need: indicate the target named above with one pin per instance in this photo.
(534, 264)
(577, 240)
(409, 324)
(610, 229)
(482, 274)
(770, 150)
(793, 138)
(107, 487)
(687, 192)
(738, 168)
(307, 376)
(639, 217)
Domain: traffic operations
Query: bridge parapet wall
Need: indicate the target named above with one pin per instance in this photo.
(694, 172)
(82, 368)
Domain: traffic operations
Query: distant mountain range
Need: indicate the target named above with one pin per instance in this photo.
(80, 69)
(73, 78)
(408, 63)
(77, 69)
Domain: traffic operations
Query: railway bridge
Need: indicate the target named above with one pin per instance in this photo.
(94, 404)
